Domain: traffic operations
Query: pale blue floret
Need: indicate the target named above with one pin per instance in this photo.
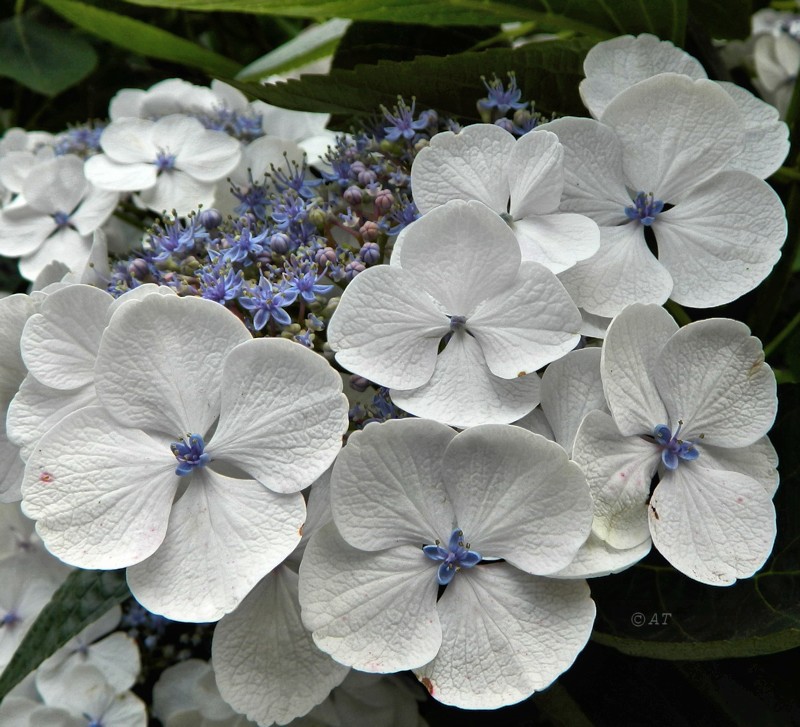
(61, 219)
(164, 161)
(673, 449)
(499, 97)
(645, 209)
(457, 555)
(190, 454)
(9, 619)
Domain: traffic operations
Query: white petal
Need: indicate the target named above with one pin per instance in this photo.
(713, 526)
(535, 175)
(594, 326)
(176, 190)
(537, 423)
(622, 272)
(532, 323)
(12, 469)
(712, 375)
(445, 252)
(557, 241)
(597, 558)
(463, 391)
(572, 387)
(160, 362)
(373, 611)
(675, 133)
(594, 183)
(101, 494)
(37, 408)
(386, 487)
(129, 140)
(506, 635)
(202, 154)
(265, 152)
(65, 246)
(97, 206)
(766, 139)
(721, 241)
(224, 536)
(614, 65)
(631, 352)
(386, 329)
(23, 230)
(468, 165)
(758, 461)
(59, 344)
(57, 186)
(516, 496)
(619, 471)
(15, 310)
(262, 652)
(105, 173)
(282, 415)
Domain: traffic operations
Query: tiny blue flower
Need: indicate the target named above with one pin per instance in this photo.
(501, 98)
(190, 454)
(402, 121)
(673, 449)
(457, 555)
(644, 208)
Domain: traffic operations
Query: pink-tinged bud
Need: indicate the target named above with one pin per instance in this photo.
(353, 195)
(138, 269)
(359, 383)
(352, 269)
(325, 256)
(383, 201)
(369, 231)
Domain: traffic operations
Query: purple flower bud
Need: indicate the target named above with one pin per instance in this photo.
(325, 256)
(138, 268)
(506, 124)
(352, 195)
(210, 218)
(279, 243)
(352, 269)
(369, 231)
(367, 177)
(359, 383)
(370, 252)
(384, 201)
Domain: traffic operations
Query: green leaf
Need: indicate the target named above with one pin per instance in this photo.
(760, 615)
(371, 42)
(723, 18)
(83, 598)
(141, 38)
(547, 72)
(599, 18)
(311, 45)
(43, 59)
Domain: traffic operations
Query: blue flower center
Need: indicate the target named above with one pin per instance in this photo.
(61, 218)
(164, 161)
(9, 619)
(457, 322)
(673, 450)
(645, 208)
(190, 454)
(455, 556)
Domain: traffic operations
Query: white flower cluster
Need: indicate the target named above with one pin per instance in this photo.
(158, 435)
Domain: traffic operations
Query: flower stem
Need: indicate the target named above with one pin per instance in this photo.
(776, 342)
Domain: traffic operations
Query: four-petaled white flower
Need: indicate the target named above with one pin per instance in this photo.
(189, 473)
(499, 632)
(173, 163)
(691, 405)
(458, 274)
(654, 170)
(520, 179)
(54, 217)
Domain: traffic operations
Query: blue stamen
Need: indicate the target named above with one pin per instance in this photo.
(456, 556)
(645, 209)
(673, 449)
(61, 219)
(164, 161)
(190, 454)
